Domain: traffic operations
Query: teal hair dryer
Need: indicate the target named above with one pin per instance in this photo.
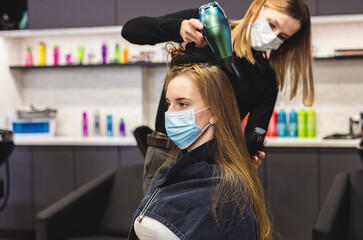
(217, 33)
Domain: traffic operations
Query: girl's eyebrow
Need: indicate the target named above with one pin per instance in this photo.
(182, 98)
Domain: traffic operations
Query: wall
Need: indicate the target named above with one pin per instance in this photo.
(338, 82)
(110, 90)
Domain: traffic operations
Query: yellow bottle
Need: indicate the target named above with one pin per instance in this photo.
(41, 54)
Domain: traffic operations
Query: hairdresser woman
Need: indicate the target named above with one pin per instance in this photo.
(273, 38)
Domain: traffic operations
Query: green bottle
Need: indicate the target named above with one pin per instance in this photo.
(117, 54)
(311, 124)
(301, 123)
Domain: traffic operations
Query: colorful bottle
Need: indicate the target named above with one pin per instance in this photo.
(311, 123)
(85, 125)
(125, 54)
(55, 55)
(122, 128)
(281, 124)
(80, 51)
(41, 54)
(68, 58)
(29, 57)
(109, 126)
(272, 126)
(301, 123)
(97, 124)
(293, 123)
(104, 54)
(117, 56)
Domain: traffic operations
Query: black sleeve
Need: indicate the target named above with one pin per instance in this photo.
(152, 30)
(260, 116)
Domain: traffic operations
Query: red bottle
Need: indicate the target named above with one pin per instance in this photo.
(272, 126)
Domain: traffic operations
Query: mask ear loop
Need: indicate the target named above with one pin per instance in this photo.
(206, 126)
(202, 110)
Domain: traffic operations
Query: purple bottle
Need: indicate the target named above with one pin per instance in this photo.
(104, 54)
(85, 125)
(122, 128)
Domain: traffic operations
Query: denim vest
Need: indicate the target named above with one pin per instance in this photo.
(180, 198)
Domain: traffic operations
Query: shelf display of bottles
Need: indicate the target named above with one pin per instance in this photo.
(301, 124)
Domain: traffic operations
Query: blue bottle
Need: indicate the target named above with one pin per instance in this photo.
(281, 124)
(109, 126)
(293, 124)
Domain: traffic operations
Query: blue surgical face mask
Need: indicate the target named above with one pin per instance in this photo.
(181, 127)
(262, 36)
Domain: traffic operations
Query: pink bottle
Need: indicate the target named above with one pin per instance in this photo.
(55, 55)
(29, 57)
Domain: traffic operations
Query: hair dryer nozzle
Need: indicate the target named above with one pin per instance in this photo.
(228, 64)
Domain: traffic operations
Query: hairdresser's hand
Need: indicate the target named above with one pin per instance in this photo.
(189, 32)
(257, 159)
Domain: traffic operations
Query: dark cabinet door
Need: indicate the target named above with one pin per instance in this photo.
(130, 9)
(130, 155)
(18, 213)
(312, 6)
(292, 176)
(340, 7)
(333, 162)
(71, 13)
(93, 161)
(53, 175)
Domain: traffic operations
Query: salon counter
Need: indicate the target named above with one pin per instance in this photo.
(130, 141)
(74, 141)
(311, 142)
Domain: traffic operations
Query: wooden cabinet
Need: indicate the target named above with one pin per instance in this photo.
(93, 161)
(339, 7)
(296, 180)
(333, 162)
(292, 190)
(70, 13)
(53, 175)
(88, 13)
(131, 9)
(18, 213)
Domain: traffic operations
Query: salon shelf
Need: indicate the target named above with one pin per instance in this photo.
(339, 58)
(142, 64)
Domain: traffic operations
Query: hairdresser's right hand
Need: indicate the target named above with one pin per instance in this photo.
(189, 32)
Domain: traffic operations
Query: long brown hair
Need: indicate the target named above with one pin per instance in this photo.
(239, 180)
(294, 55)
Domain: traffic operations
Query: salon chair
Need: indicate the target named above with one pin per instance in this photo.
(101, 209)
(341, 216)
(141, 138)
(6, 148)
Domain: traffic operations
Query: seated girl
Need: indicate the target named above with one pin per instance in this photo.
(208, 189)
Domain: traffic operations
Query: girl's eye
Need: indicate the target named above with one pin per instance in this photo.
(167, 104)
(183, 104)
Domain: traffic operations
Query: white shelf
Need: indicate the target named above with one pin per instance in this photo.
(311, 142)
(62, 32)
(328, 19)
(74, 141)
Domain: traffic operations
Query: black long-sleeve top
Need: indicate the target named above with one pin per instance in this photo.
(255, 91)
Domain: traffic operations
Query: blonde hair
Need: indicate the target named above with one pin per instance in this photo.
(239, 182)
(294, 55)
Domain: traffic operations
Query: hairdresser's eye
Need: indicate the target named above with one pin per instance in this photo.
(272, 26)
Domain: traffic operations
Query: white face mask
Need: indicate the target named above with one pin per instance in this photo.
(262, 36)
